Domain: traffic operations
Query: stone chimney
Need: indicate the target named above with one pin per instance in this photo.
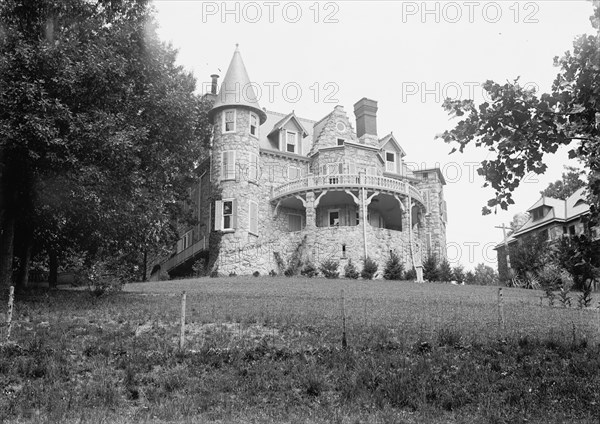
(213, 84)
(365, 111)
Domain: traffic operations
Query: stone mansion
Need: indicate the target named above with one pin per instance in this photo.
(277, 186)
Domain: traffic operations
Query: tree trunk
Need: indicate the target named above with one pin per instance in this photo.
(145, 266)
(7, 233)
(53, 264)
(25, 262)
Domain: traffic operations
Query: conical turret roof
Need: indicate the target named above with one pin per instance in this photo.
(236, 89)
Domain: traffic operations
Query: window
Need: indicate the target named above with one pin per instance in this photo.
(390, 161)
(228, 215)
(294, 173)
(538, 213)
(357, 218)
(252, 167)
(371, 170)
(253, 125)
(294, 222)
(225, 215)
(343, 250)
(291, 141)
(229, 121)
(253, 224)
(185, 241)
(425, 176)
(228, 165)
(334, 218)
(340, 141)
(572, 230)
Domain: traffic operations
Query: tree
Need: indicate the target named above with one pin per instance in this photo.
(528, 254)
(565, 187)
(519, 127)
(485, 275)
(445, 271)
(100, 131)
(430, 268)
(518, 220)
(458, 273)
(394, 269)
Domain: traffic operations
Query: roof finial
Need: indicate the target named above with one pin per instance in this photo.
(237, 47)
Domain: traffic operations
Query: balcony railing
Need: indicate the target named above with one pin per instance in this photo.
(184, 255)
(351, 181)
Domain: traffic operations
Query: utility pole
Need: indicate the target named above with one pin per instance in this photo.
(504, 228)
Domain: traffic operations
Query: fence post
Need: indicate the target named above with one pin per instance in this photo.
(344, 341)
(182, 332)
(11, 299)
(500, 309)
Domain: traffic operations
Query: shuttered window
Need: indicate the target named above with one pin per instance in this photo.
(252, 167)
(228, 165)
(225, 215)
(253, 224)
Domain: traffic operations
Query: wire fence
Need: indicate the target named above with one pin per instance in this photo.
(221, 320)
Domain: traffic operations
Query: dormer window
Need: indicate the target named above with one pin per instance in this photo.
(537, 213)
(229, 121)
(291, 141)
(253, 125)
(390, 162)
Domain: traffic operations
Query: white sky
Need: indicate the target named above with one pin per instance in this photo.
(408, 56)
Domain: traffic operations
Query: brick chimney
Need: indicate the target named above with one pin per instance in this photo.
(213, 84)
(365, 111)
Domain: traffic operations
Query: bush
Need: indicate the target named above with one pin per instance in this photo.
(256, 274)
(199, 267)
(430, 268)
(458, 273)
(329, 268)
(445, 271)
(272, 273)
(369, 270)
(411, 274)
(309, 270)
(214, 273)
(232, 274)
(350, 270)
(394, 269)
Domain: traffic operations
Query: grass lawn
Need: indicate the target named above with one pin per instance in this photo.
(269, 350)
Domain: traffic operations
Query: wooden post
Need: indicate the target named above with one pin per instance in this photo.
(344, 341)
(182, 333)
(500, 309)
(11, 299)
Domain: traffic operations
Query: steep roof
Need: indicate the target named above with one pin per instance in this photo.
(390, 137)
(559, 211)
(285, 120)
(236, 89)
(274, 119)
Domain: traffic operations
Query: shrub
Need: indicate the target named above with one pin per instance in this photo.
(369, 270)
(458, 273)
(309, 270)
(256, 274)
(272, 273)
(394, 269)
(411, 274)
(329, 268)
(199, 267)
(232, 274)
(445, 271)
(430, 268)
(350, 270)
(214, 273)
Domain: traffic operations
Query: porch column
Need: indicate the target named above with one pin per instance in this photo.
(311, 213)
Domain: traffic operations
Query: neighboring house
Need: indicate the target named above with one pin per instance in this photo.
(551, 218)
(277, 185)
